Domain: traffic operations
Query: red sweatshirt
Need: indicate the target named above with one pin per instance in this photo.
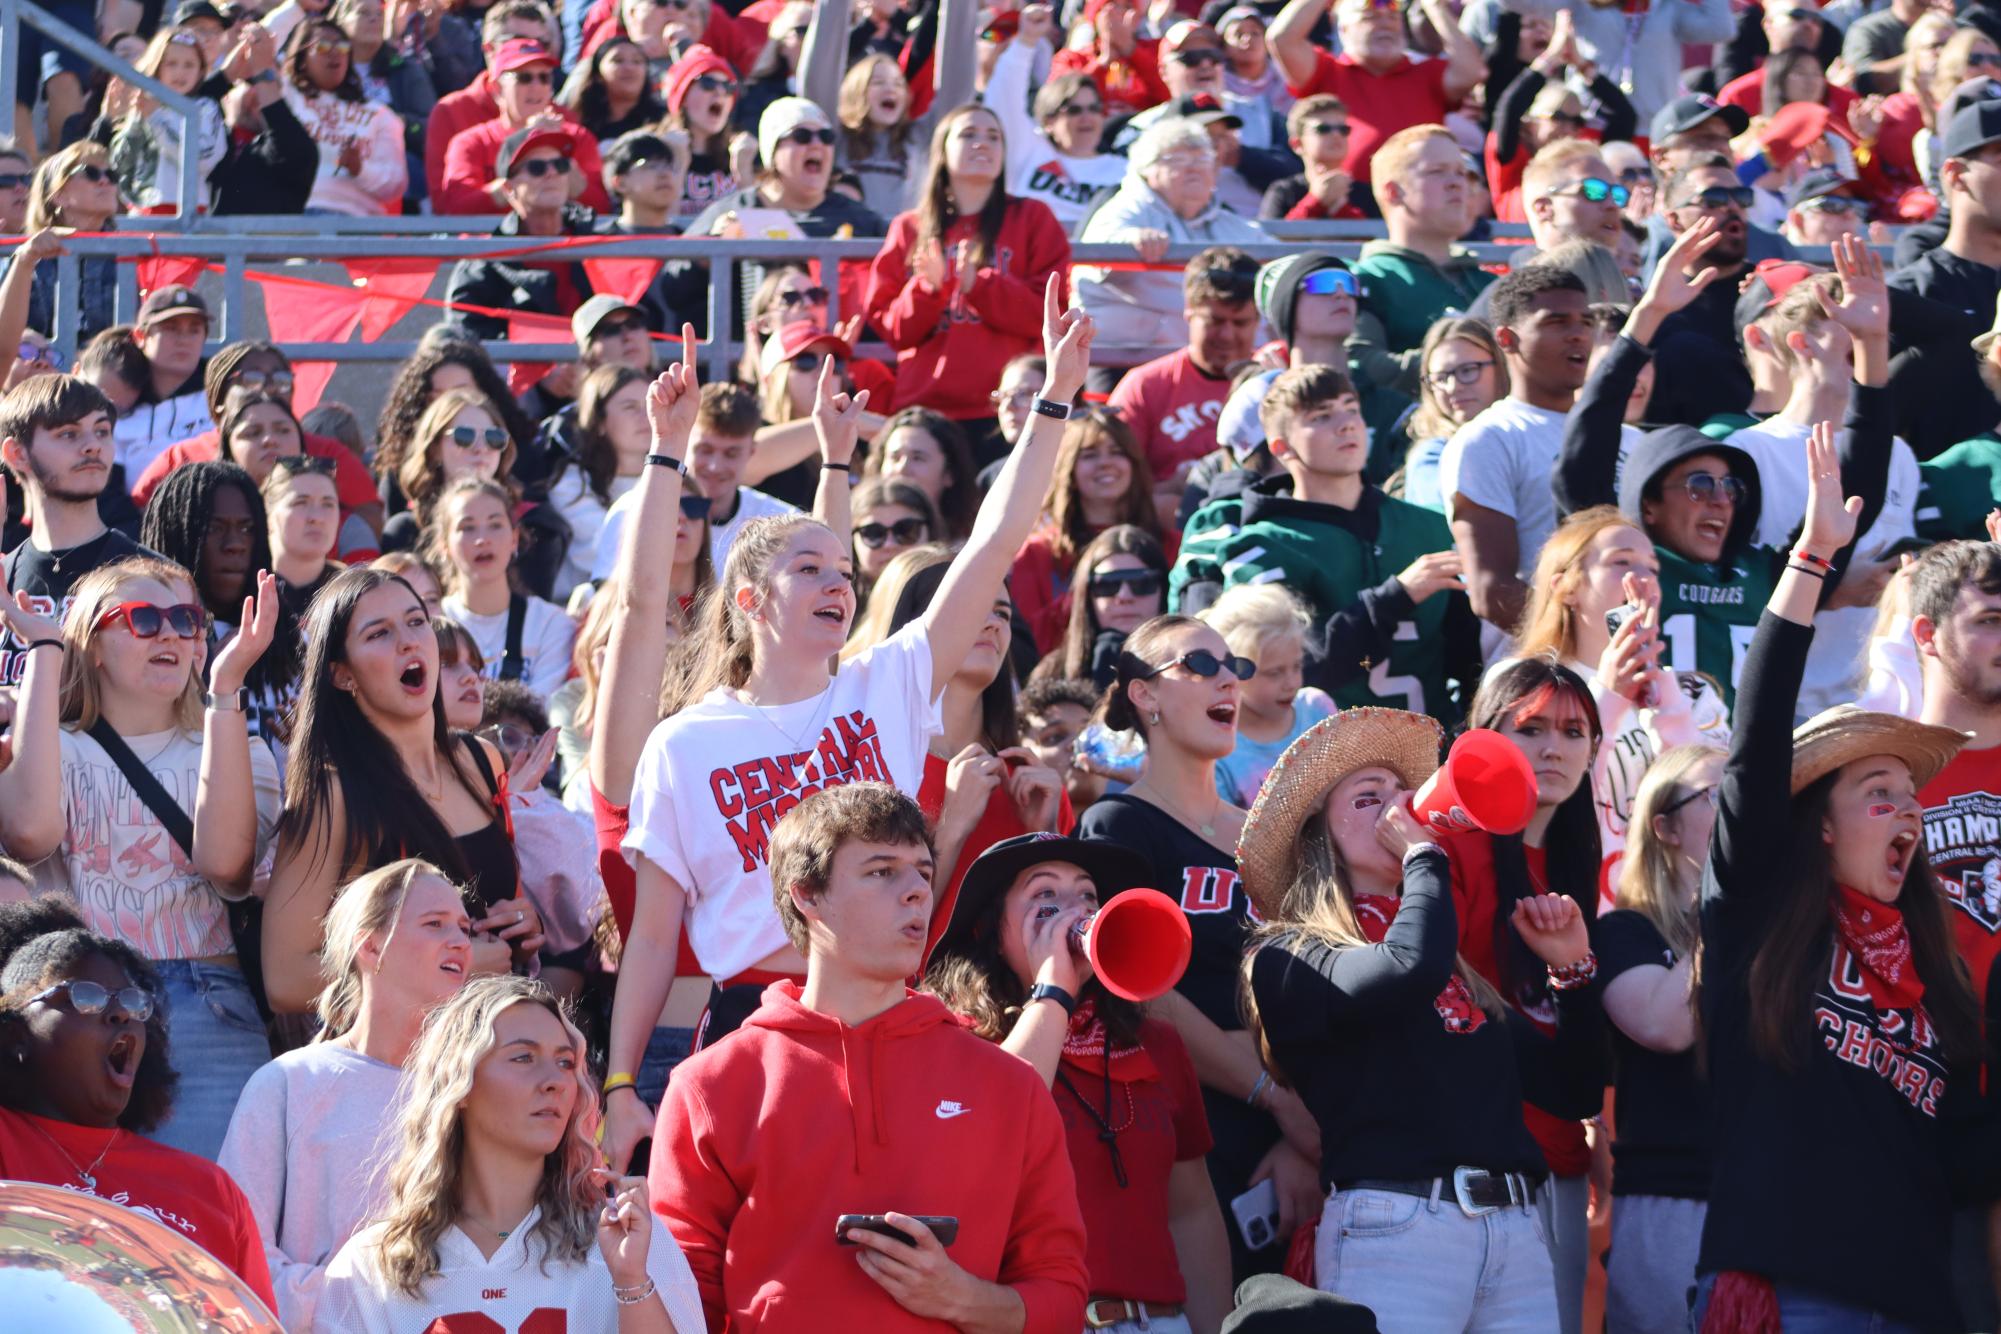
(795, 1119)
(474, 156)
(951, 345)
(1126, 83)
(469, 106)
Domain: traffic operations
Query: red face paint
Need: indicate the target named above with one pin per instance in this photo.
(1881, 809)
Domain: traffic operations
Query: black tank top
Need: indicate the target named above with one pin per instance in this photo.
(495, 876)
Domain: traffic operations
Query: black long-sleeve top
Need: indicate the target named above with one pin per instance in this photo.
(1831, 1175)
(1404, 1082)
(1512, 108)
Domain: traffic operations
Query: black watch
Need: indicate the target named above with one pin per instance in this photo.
(1044, 991)
(667, 461)
(1060, 411)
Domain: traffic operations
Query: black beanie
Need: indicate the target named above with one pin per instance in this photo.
(1278, 286)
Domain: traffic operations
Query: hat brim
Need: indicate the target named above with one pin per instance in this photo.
(610, 311)
(1268, 850)
(170, 312)
(1843, 734)
(1229, 118)
(547, 138)
(1113, 868)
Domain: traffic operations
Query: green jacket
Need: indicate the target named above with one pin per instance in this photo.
(1958, 488)
(1403, 295)
(1369, 643)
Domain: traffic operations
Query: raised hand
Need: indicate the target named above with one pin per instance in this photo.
(1066, 343)
(671, 401)
(255, 628)
(928, 263)
(963, 267)
(1680, 277)
(1830, 520)
(1864, 308)
(19, 615)
(531, 766)
(837, 417)
(1037, 21)
(1553, 929)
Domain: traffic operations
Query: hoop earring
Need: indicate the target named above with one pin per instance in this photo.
(1154, 721)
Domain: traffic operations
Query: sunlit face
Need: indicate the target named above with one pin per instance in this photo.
(709, 103)
(915, 455)
(1014, 400)
(479, 458)
(305, 517)
(1047, 888)
(896, 521)
(524, 94)
(1692, 528)
(1874, 826)
(389, 656)
(481, 541)
(1078, 127)
(233, 524)
(423, 957)
(797, 296)
(1329, 439)
(1355, 805)
(419, 578)
(1553, 340)
(1557, 741)
(365, 22)
(1198, 714)
(1569, 215)
(530, 193)
(1185, 179)
(1221, 334)
(174, 344)
(1195, 66)
(1615, 553)
(989, 652)
(718, 462)
(808, 600)
(526, 1089)
(1688, 827)
(626, 427)
(1103, 473)
(14, 191)
(158, 668)
(80, 199)
(1448, 369)
(463, 687)
(974, 149)
(1124, 604)
(1281, 672)
(328, 53)
(875, 909)
(805, 168)
(1968, 646)
(261, 435)
(1372, 32)
(888, 95)
(181, 67)
(690, 535)
(623, 69)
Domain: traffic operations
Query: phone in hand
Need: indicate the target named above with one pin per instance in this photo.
(945, 1229)
(1620, 614)
(1256, 1212)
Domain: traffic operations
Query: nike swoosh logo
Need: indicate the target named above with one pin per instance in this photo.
(944, 1115)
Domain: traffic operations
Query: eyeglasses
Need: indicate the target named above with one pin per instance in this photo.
(1839, 205)
(332, 43)
(1718, 196)
(511, 738)
(278, 381)
(1198, 58)
(1107, 583)
(715, 83)
(146, 620)
(1708, 791)
(91, 172)
(694, 507)
(45, 354)
(493, 437)
(803, 296)
(1706, 488)
(808, 363)
(293, 465)
(805, 135)
(533, 76)
(1072, 110)
(1205, 664)
(1597, 191)
(1020, 394)
(1331, 282)
(1637, 176)
(183, 38)
(542, 166)
(904, 532)
(15, 180)
(614, 328)
(90, 998)
(1327, 127)
(1466, 373)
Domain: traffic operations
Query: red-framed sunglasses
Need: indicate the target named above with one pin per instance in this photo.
(146, 621)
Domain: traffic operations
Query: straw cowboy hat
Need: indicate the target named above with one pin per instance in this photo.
(1834, 737)
(1268, 851)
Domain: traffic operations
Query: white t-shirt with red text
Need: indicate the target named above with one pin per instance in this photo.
(716, 777)
(512, 1293)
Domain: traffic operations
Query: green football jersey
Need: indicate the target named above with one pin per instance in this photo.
(1709, 612)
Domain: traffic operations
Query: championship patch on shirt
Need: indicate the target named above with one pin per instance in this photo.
(1963, 842)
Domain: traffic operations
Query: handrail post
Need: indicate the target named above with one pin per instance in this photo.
(69, 303)
(10, 65)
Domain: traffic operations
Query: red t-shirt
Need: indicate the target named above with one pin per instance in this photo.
(191, 1195)
(999, 821)
(1128, 1247)
(1410, 92)
(1172, 406)
(351, 480)
(621, 883)
(1746, 92)
(1963, 841)
(474, 155)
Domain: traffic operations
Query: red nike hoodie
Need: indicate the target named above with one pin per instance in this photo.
(796, 1118)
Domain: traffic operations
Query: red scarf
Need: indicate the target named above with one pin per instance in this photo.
(1456, 1007)
(1873, 933)
(1084, 1050)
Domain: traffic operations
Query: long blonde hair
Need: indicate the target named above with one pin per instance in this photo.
(873, 625)
(1649, 883)
(1549, 623)
(719, 651)
(1318, 908)
(424, 1176)
(54, 174)
(364, 906)
(82, 698)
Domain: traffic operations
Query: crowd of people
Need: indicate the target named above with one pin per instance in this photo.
(664, 810)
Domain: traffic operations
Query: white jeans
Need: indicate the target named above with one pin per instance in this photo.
(1424, 1267)
(1158, 1324)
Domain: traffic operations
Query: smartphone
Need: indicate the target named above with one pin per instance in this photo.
(945, 1229)
(1620, 614)
(1257, 1215)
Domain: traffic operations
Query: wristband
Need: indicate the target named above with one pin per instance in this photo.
(45, 643)
(1574, 975)
(1257, 1089)
(230, 701)
(621, 1080)
(667, 461)
(830, 466)
(1813, 560)
(639, 1294)
(264, 76)
(1807, 570)
(1044, 991)
(1060, 411)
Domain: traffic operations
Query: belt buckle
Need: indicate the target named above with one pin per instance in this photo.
(1093, 1320)
(1462, 1185)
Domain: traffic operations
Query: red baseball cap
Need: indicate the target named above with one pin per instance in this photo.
(528, 137)
(795, 338)
(521, 53)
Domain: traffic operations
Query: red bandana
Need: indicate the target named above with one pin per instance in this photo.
(1084, 1050)
(1455, 1004)
(1873, 933)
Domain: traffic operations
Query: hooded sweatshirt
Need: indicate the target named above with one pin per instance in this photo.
(906, 1112)
(1403, 294)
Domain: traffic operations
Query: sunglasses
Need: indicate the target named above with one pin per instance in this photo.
(293, 465)
(1329, 127)
(49, 356)
(281, 381)
(1239, 283)
(715, 83)
(15, 180)
(804, 136)
(91, 172)
(1566, 118)
(1197, 59)
(90, 998)
(542, 166)
(1143, 583)
(1685, 799)
(1597, 191)
(808, 363)
(616, 328)
(1205, 664)
(1839, 205)
(183, 39)
(694, 507)
(1466, 372)
(905, 532)
(1717, 196)
(1637, 176)
(146, 620)
(533, 76)
(340, 44)
(1706, 488)
(1331, 282)
(1982, 59)
(493, 437)
(803, 296)
(1072, 110)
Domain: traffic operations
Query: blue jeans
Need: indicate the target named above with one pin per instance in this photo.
(665, 1049)
(1423, 1265)
(216, 1041)
(1805, 1312)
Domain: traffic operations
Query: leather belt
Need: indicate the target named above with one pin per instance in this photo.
(1104, 1312)
(1476, 1190)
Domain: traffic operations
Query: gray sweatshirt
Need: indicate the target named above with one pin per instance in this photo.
(303, 1145)
(1642, 53)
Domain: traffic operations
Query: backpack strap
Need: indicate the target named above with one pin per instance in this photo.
(180, 826)
(512, 664)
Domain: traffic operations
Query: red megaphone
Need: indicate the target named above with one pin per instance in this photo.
(1485, 783)
(1138, 944)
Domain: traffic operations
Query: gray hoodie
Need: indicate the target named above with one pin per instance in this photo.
(1144, 310)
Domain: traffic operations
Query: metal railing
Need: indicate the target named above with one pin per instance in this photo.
(13, 13)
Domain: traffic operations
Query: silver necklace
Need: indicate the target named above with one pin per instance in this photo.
(83, 1174)
(814, 724)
